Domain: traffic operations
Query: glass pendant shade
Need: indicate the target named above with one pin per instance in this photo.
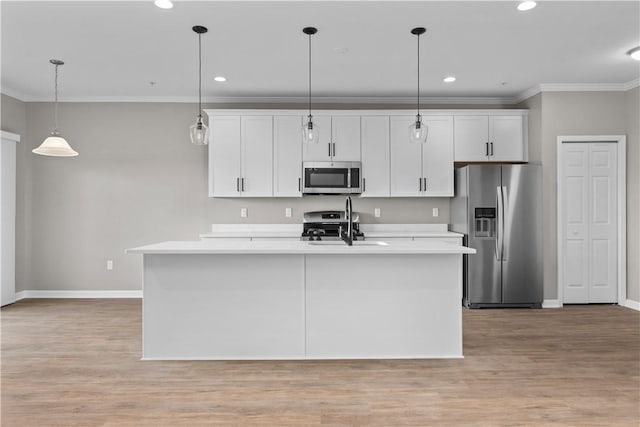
(310, 133)
(199, 133)
(55, 145)
(418, 131)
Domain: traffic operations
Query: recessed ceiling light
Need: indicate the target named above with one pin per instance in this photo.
(526, 5)
(635, 53)
(220, 79)
(449, 79)
(163, 4)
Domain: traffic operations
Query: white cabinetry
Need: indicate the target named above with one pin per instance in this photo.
(240, 156)
(287, 156)
(339, 139)
(375, 156)
(481, 138)
(422, 169)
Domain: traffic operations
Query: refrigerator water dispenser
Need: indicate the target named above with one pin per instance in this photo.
(485, 220)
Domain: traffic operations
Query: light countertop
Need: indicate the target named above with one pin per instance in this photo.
(372, 247)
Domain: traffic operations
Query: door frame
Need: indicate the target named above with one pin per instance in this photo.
(621, 140)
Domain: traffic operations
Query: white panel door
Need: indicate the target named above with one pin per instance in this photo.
(287, 156)
(603, 224)
(8, 218)
(224, 156)
(575, 206)
(257, 156)
(437, 157)
(345, 137)
(506, 141)
(406, 159)
(589, 206)
(375, 156)
(320, 152)
(471, 138)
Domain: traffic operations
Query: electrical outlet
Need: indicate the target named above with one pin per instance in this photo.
(436, 212)
(243, 212)
(376, 212)
(287, 212)
(109, 264)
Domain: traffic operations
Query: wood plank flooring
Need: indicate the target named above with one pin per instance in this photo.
(76, 363)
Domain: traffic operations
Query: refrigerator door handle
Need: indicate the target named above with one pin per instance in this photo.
(499, 213)
(505, 227)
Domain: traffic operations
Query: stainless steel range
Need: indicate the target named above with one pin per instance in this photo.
(325, 225)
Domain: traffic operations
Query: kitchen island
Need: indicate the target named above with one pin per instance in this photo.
(301, 300)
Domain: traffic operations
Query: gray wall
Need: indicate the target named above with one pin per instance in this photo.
(583, 113)
(137, 180)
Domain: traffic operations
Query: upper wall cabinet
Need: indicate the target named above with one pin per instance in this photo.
(287, 156)
(240, 156)
(339, 139)
(375, 156)
(422, 169)
(490, 138)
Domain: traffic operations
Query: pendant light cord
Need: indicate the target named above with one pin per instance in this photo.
(55, 108)
(309, 76)
(418, 75)
(200, 76)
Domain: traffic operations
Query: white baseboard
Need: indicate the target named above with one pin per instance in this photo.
(78, 294)
(629, 303)
(551, 303)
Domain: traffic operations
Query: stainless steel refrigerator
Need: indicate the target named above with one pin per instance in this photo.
(499, 210)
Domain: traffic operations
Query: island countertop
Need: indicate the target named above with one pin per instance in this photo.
(370, 247)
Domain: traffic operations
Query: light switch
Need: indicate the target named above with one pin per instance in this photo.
(376, 212)
(287, 212)
(109, 264)
(436, 212)
(243, 212)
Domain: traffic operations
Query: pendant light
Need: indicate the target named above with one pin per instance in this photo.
(418, 130)
(55, 144)
(199, 132)
(310, 132)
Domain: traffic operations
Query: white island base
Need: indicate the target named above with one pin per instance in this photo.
(310, 305)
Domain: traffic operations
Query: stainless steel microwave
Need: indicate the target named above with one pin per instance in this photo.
(331, 177)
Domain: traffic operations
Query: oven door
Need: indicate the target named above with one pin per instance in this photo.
(331, 178)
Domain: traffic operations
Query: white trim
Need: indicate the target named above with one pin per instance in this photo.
(10, 136)
(621, 140)
(629, 303)
(386, 112)
(551, 303)
(573, 87)
(78, 294)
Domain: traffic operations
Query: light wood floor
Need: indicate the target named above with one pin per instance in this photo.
(76, 363)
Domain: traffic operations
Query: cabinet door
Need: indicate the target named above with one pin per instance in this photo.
(224, 156)
(345, 136)
(318, 152)
(375, 156)
(406, 159)
(471, 138)
(257, 156)
(437, 157)
(287, 156)
(506, 133)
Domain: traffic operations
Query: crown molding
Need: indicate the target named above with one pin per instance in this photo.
(576, 87)
(384, 100)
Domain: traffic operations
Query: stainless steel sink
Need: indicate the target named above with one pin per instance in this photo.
(340, 242)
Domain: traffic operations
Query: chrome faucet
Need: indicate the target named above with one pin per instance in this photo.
(348, 236)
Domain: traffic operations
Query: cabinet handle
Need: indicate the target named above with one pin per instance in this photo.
(299, 184)
(491, 144)
(238, 185)
(242, 183)
(486, 149)
(425, 184)
(420, 183)
(364, 184)
(334, 149)
(329, 144)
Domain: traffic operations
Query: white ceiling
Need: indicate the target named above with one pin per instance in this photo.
(113, 50)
